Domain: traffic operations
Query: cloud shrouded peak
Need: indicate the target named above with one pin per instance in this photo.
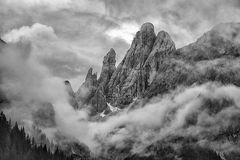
(157, 92)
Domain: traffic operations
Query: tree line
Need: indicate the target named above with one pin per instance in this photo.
(15, 144)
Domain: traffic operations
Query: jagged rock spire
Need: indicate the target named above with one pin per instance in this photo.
(71, 95)
(108, 68)
(128, 79)
(140, 47)
(120, 85)
(163, 47)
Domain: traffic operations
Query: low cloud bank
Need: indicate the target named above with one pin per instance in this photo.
(38, 98)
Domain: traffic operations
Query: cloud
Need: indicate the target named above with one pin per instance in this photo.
(55, 5)
(29, 84)
(126, 32)
(35, 32)
(56, 54)
(61, 39)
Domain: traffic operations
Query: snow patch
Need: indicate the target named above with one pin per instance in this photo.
(102, 114)
(113, 109)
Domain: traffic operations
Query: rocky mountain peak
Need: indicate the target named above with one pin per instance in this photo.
(131, 78)
(91, 78)
(147, 27)
(148, 63)
(89, 73)
(146, 35)
(162, 48)
(93, 91)
(108, 68)
(110, 58)
(163, 43)
(222, 40)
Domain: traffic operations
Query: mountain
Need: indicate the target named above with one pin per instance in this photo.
(154, 70)
(222, 40)
(153, 66)
(119, 86)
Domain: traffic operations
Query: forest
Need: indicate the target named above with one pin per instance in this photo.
(15, 144)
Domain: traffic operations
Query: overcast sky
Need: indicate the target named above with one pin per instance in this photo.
(69, 36)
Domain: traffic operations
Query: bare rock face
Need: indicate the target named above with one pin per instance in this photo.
(71, 94)
(93, 91)
(98, 102)
(108, 69)
(87, 89)
(119, 86)
(128, 80)
(163, 47)
(153, 66)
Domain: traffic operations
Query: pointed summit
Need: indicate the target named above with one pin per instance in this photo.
(89, 74)
(146, 34)
(110, 58)
(147, 27)
(127, 80)
(108, 68)
(163, 46)
(91, 78)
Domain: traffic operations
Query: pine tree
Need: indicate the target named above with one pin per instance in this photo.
(15, 144)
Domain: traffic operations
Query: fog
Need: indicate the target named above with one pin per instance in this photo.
(29, 85)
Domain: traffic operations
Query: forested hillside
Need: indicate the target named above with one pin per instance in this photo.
(15, 144)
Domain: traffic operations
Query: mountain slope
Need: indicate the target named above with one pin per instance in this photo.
(153, 66)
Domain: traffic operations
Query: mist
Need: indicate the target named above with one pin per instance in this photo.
(39, 99)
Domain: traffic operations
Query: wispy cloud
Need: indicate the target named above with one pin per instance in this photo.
(126, 32)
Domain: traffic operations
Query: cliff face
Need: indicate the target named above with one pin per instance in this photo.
(153, 66)
(119, 86)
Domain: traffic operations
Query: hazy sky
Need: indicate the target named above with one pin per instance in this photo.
(69, 36)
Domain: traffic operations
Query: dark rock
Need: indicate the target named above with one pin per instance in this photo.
(153, 66)
(128, 80)
(108, 69)
(71, 94)
(98, 102)
(87, 89)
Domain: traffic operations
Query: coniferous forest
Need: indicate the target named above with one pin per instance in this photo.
(15, 144)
